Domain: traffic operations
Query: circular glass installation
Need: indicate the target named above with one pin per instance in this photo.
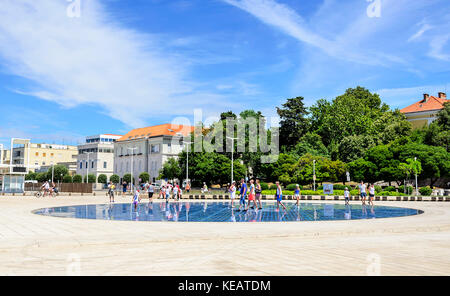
(222, 212)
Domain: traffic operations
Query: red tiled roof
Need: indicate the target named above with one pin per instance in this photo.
(423, 105)
(158, 130)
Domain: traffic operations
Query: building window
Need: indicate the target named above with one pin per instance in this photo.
(105, 165)
(87, 164)
(169, 148)
(92, 165)
(155, 148)
(44, 154)
(81, 165)
(37, 153)
(51, 154)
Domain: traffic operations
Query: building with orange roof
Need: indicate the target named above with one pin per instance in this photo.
(424, 111)
(147, 149)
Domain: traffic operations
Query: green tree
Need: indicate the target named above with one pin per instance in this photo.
(115, 179)
(90, 178)
(127, 178)
(145, 177)
(77, 179)
(435, 161)
(362, 170)
(310, 143)
(350, 114)
(353, 147)
(170, 170)
(293, 121)
(102, 179)
(41, 177)
(59, 171)
(67, 179)
(30, 176)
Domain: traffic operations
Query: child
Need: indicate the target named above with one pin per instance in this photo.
(297, 194)
(167, 192)
(111, 188)
(347, 196)
(279, 196)
(371, 194)
(136, 199)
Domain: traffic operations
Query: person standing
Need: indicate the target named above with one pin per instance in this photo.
(362, 192)
(151, 191)
(346, 196)
(232, 191)
(243, 194)
(251, 196)
(258, 192)
(111, 188)
(175, 191)
(124, 188)
(188, 187)
(371, 193)
(279, 196)
(136, 199)
(297, 194)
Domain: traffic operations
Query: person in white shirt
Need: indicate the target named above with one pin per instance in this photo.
(362, 192)
(371, 194)
(346, 196)
(232, 191)
(175, 191)
(150, 190)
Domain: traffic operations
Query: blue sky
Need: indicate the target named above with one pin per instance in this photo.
(125, 64)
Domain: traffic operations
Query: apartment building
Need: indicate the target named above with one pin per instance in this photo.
(147, 149)
(424, 111)
(96, 156)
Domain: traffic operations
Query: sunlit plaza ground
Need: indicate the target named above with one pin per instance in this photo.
(39, 245)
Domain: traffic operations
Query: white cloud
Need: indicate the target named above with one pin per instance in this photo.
(94, 60)
(422, 30)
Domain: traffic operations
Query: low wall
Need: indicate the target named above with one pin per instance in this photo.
(63, 187)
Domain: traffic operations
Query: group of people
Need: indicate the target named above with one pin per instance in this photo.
(252, 195)
(49, 188)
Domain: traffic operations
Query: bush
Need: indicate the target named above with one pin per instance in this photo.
(292, 187)
(115, 179)
(273, 187)
(264, 186)
(339, 187)
(90, 178)
(389, 188)
(103, 179)
(127, 178)
(409, 189)
(378, 189)
(391, 193)
(320, 187)
(145, 177)
(425, 191)
(77, 179)
(67, 179)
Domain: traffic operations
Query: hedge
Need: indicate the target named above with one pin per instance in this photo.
(425, 191)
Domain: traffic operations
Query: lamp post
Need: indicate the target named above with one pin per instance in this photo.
(187, 161)
(314, 175)
(232, 158)
(132, 154)
(415, 172)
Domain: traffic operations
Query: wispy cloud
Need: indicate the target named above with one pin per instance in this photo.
(96, 61)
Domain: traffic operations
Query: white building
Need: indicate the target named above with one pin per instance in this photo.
(96, 156)
(12, 174)
(147, 149)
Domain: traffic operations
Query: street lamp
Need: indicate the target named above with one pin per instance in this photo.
(314, 175)
(132, 154)
(232, 157)
(187, 161)
(415, 172)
